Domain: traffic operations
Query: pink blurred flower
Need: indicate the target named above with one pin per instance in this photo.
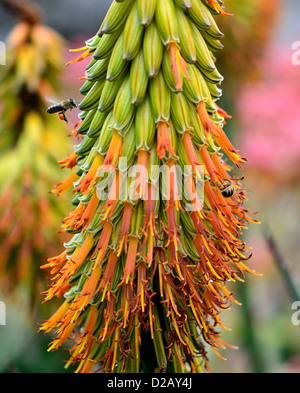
(270, 117)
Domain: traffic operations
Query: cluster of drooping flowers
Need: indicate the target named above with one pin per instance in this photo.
(31, 142)
(147, 265)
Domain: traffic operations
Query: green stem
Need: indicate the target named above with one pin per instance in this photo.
(252, 345)
(282, 265)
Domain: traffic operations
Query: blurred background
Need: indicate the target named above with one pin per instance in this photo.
(262, 91)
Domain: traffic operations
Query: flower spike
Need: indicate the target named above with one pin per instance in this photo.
(150, 259)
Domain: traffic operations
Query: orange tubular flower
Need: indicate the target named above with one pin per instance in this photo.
(157, 235)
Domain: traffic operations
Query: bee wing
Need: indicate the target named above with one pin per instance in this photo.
(51, 100)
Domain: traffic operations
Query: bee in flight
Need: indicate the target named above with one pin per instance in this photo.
(62, 107)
